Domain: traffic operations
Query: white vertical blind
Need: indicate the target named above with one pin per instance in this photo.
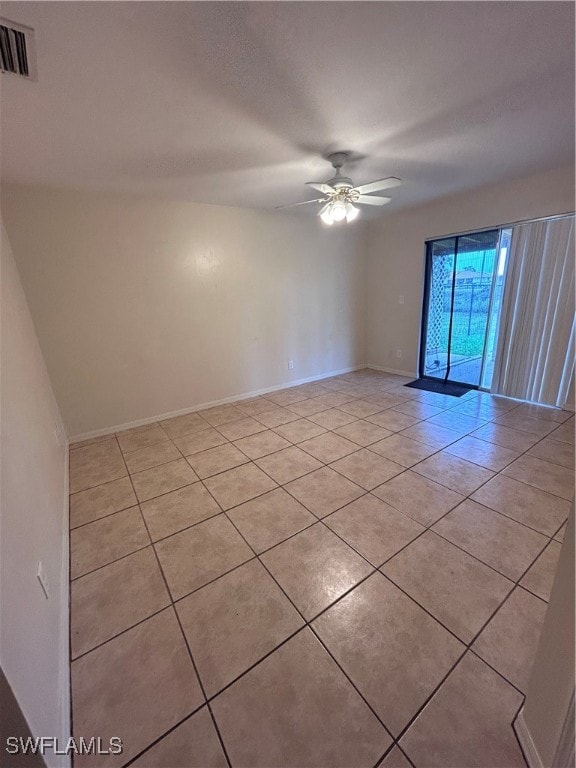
(536, 337)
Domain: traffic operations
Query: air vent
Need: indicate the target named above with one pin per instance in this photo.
(17, 50)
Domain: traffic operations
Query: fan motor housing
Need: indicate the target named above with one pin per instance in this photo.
(341, 182)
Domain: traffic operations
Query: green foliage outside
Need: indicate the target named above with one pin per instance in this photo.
(471, 306)
(468, 333)
(469, 320)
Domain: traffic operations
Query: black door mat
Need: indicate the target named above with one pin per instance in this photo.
(442, 387)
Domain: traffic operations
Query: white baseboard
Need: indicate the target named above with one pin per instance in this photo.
(526, 742)
(212, 404)
(392, 370)
(64, 761)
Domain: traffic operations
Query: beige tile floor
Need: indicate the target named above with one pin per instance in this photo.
(348, 573)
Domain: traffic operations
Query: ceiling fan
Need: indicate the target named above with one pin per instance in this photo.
(341, 196)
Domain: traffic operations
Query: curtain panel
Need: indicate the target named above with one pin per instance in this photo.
(536, 334)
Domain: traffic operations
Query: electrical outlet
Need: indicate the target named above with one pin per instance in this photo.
(290, 365)
(400, 299)
(398, 353)
(43, 580)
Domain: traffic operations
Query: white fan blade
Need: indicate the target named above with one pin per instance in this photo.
(326, 189)
(372, 200)
(375, 186)
(304, 202)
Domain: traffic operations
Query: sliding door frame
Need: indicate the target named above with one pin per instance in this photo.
(426, 301)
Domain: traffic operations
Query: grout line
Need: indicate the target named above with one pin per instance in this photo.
(111, 562)
(514, 520)
(430, 527)
(492, 567)
(515, 584)
(103, 517)
(423, 607)
(369, 575)
(92, 487)
(183, 634)
(532, 594)
(167, 733)
(308, 625)
(429, 698)
(395, 744)
(495, 473)
(126, 629)
(202, 688)
(493, 668)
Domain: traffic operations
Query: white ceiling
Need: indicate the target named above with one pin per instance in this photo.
(234, 103)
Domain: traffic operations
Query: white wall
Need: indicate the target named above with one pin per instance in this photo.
(145, 307)
(396, 253)
(546, 711)
(33, 521)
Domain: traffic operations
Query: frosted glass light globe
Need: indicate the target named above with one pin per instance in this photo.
(338, 211)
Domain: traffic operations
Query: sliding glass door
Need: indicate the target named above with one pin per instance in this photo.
(458, 324)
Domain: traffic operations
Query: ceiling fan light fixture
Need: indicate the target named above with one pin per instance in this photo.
(326, 214)
(338, 210)
(340, 196)
(351, 212)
